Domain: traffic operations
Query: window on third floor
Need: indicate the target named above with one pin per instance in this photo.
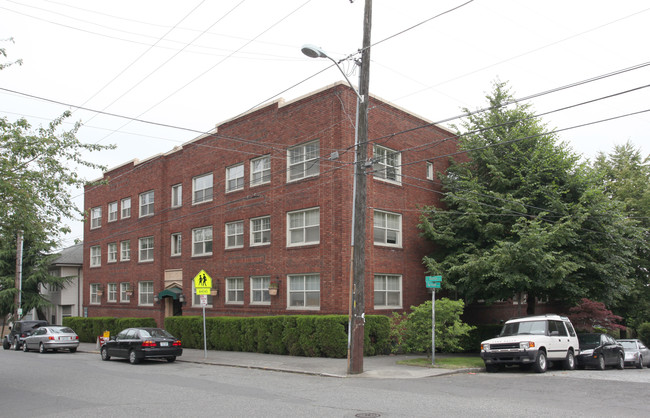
(303, 161)
(146, 203)
(202, 188)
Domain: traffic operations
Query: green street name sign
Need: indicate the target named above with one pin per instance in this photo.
(433, 282)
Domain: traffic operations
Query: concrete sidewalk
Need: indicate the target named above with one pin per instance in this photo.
(384, 367)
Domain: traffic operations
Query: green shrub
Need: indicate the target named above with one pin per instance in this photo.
(376, 335)
(89, 329)
(471, 343)
(643, 332)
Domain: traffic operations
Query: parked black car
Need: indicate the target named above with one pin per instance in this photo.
(19, 331)
(600, 351)
(138, 344)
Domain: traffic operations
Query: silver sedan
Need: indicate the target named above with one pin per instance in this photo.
(636, 353)
(52, 338)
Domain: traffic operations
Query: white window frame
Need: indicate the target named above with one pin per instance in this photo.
(429, 170)
(145, 293)
(260, 170)
(202, 188)
(236, 291)
(235, 177)
(146, 200)
(202, 241)
(381, 286)
(260, 290)
(146, 248)
(296, 223)
(385, 169)
(196, 299)
(303, 161)
(112, 253)
(260, 231)
(125, 250)
(177, 195)
(96, 217)
(112, 211)
(297, 289)
(111, 292)
(95, 298)
(176, 244)
(125, 204)
(95, 256)
(125, 287)
(235, 230)
(381, 225)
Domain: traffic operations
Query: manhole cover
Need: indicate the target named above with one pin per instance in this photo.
(367, 415)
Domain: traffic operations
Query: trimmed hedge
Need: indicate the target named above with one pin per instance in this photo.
(88, 329)
(297, 335)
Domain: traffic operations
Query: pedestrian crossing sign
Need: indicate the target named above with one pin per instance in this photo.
(202, 283)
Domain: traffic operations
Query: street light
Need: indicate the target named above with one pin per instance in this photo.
(357, 288)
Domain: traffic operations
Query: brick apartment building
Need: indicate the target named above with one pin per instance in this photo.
(263, 200)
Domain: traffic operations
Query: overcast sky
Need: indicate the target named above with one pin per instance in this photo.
(193, 64)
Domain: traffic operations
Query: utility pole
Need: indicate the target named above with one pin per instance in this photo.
(359, 244)
(19, 273)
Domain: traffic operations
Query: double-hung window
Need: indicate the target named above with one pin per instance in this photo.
(112, 292)
(387, 164)
(235, 290)
(125, 250)
(260, 170)
(387, 228)
(126, 207)
(235, 234)
(176, 244)
(95, 217)
(95, 256)
(202, 241)
(95, 298)
(260, 290)
(304, 291)
(303, 227)
(146, 203)
(388, 291)
(112, 252)
(125, 292)
(145, 293)
(303, 160)
(429, 170)
(235, 178)
(261, 231)
(202, 188)
(177, 195)
(146, 249)
(112, 212)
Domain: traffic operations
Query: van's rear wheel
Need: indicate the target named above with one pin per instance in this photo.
(570, 361)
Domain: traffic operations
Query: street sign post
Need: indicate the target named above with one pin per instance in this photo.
(433, 282)
(202, 286)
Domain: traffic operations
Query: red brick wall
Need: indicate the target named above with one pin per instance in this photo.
(328, 116)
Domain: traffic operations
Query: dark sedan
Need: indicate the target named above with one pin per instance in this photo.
(600, 351)
(137, 344)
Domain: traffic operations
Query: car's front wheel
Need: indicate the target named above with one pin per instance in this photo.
(601, 363)
(639, 365)
(540, 362)
(621, 362)
(570, 361)
(16, 345)
(104, 354)
(133, 359)
(41, 348)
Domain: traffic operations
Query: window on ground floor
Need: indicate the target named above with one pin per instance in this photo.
(145, 293)
(235, 290)
(304, 291)
(260, 290)
(388, 291)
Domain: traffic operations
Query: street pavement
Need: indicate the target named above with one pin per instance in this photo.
(383, 367)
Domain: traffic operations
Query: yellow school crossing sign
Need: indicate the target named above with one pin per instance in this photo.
(202, 283)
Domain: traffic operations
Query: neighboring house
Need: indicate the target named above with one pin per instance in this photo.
(67, 301)
(265, 200)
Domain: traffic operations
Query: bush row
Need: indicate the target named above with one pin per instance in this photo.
(89, 329)
(296, 335)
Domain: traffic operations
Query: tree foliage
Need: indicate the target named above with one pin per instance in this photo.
(589, 315)
(524, 216)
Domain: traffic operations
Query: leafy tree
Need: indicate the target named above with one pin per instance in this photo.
(38, 168)
(589, 315)
(626, 177)
(523, 216)
(449, 328)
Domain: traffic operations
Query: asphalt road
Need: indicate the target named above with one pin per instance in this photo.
(81, 385)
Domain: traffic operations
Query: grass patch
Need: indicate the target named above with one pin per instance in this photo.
(461, 362)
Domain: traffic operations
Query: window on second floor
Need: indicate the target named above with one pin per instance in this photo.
(387, 228)
(429, 170)
(235, 177)
(146, 203)
(202, 241)
(202, 188)
(176, 244)
(177, 195)
(112, 212)
(95, 217)
(260, 231)
(261, 170)
(235, 234)
(125, 250)
(146, 249)
(387, 164)
(112, 252)
(303, 227)
(95, 256)
(126, 207)
(303, 161)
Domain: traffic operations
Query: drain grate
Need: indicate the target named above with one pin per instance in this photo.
(367, 415)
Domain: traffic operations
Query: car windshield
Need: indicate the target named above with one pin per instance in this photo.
(64, 330)
(155, 333)
(524, 328)
(628, 344)
(589, 341)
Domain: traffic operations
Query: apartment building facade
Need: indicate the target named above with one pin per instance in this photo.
(265, 201)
